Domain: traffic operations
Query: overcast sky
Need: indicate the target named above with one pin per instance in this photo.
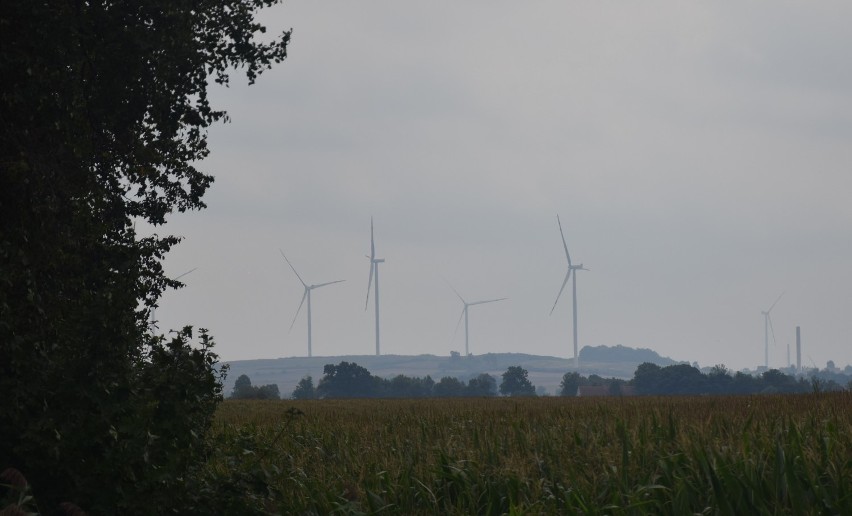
(697, 153)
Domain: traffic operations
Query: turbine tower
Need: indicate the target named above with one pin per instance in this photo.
(306, 295)
(464, 314)
(767, 327)
(152, 321)
(571, 267)
(374, 275)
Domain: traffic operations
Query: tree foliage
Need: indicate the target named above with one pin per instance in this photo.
(516, 383)
(304, 389)
(569, 384)
(686, 379)
(482, 385)
(348, 380)
(103, 116)
(401, 386)
(244, 390)
(449, 387)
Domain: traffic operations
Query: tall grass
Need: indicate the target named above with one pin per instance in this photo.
(730, 455)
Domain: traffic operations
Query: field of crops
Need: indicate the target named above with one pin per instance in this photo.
(710, 455)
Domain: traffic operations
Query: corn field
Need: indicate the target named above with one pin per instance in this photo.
(686, 455)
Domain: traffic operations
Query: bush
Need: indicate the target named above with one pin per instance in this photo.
(244, 390)
(141, 437)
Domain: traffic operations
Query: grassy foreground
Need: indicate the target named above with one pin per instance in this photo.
(709, 455)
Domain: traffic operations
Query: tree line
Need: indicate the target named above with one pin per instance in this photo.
(684, 379)
(688, 380)
(350, 380)
(244, 390)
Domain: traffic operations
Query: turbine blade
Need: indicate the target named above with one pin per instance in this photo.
(459, 322)
(560, 290)
(456, 291)
(771, 329)
(294, 269)
(487, 301)
(185, 273)
(776, 302)
(567, 255)
(369, 284)
(372, 263)
(324, 284)
(307, 290)
(372, 242)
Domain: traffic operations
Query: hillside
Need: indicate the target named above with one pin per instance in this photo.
(544, 371)
(622, 354)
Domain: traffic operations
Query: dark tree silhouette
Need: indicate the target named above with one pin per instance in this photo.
(103, 120)
(305, 389)
(348, 380)
(449, 387)
(570, 383)
(482, 385)
(243, 388)
(516, 383)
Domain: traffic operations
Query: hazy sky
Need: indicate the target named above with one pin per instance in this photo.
(698, 154)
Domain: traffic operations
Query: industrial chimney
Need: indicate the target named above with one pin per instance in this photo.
(798, 349)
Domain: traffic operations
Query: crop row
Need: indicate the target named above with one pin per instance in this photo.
(712, 455)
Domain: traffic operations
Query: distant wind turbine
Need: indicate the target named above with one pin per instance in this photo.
(152, 322)
(374, 274)
(306, 295)
(767, 327)
(571, 267)
(464, 314)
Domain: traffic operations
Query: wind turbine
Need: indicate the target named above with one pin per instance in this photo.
(153, 320)
(464, 314)
(306, 295)
(374, 274)
(767, 327)
(571, 267)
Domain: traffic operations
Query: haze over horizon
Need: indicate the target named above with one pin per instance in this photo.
(698, 155)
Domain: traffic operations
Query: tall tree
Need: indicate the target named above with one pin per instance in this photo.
(449, 387)
(516, 382)
(304, 389)
(482, 385)
(243, 389)
(569, 384)
(103, 115)
(646, 378)
(348, 380)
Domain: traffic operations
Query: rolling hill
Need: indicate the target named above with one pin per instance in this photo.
(544, 371)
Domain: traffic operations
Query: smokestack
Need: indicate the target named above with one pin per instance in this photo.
(798, 349)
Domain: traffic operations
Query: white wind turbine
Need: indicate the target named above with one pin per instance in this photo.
(767, 327)
(464, 314)
(306, 295)
(374, 274)
(152, 323)
(571, 267)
